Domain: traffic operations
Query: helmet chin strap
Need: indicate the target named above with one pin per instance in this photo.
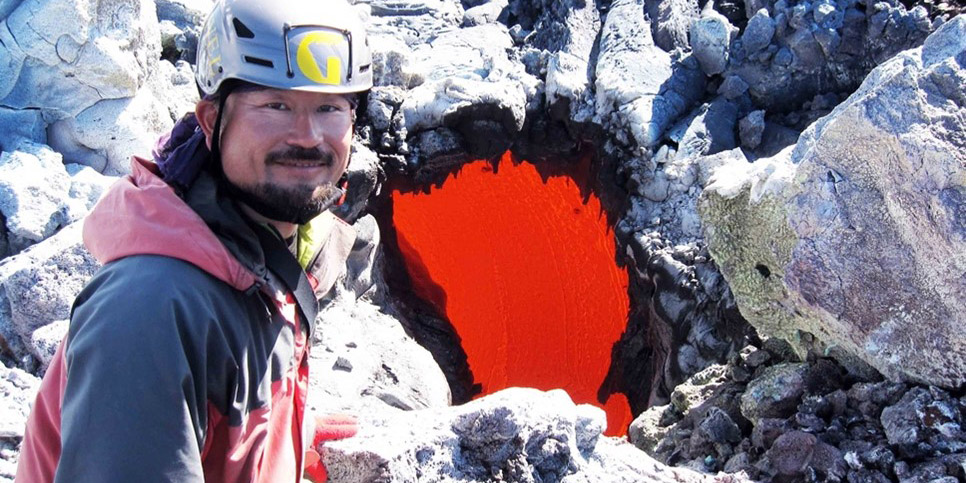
(226, 89)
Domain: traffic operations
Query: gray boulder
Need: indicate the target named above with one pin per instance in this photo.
(854, 242)
(711, 41)
(412, 21)
(639, 92)
(17, 125)
(570, 43)
(17, 391)
(64, 56)
(39, 195)
(484, 13)
(34, 188)
(711, 131)
(672, 22)
(37, 288)
(106, 135)
(776, 393)
(517, 434)
(363, 362)
(88, 77)
(471, 86)
(751, 128)
(86, 188)
(759, 32)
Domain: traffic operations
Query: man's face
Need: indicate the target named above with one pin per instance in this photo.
(285, 150)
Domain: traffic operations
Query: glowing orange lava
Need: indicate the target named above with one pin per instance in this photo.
(528, 278)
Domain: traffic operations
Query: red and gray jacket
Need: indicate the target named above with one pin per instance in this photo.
(186, 357)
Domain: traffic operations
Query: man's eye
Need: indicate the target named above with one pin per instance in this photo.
(329, 108)
(277, 106)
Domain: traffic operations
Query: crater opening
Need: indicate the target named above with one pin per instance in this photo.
(520, 260)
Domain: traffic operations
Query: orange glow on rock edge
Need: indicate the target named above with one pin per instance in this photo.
(528, 278)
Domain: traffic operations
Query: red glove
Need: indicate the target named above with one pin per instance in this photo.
(327, 428)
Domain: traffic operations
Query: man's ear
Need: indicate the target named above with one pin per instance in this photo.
(206, 112)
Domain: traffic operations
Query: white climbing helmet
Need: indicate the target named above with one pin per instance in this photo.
(308, 45)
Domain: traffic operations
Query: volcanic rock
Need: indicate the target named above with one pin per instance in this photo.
(798, 49)
(65, 56)
(484, 13)
(798, 453)
(638, 92)
(568, 35)
(363, 362)
(32, 172)
(516, 434)
(17, 390)
(854, 239)
(106, 135)
(86, 188)
(411, 21)
(678, 323)
(759, 32)
(672, 22)
(37, 287)
(711, 131)
(97, 81)
(924, 423)
(466, 72)
(711, 41)
(57, 196)
(184, 19)
(775, 393)
(751, 128)
(21, 124)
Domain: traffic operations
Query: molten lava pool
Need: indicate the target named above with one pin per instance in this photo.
(524, 270)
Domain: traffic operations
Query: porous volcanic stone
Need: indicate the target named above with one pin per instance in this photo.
(855, 241)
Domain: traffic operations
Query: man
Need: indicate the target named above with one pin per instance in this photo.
(186, 357)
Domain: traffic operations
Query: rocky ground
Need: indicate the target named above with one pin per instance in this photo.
(774, 417)
(785, 178)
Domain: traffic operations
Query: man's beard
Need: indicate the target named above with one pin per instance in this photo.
(296, 204)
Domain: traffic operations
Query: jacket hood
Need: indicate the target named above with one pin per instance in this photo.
(142, 215)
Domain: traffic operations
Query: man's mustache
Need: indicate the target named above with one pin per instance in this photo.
(295, 154)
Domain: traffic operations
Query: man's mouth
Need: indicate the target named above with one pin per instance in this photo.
(296, 157)
(302, 163)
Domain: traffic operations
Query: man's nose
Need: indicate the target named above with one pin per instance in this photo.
(306, 131)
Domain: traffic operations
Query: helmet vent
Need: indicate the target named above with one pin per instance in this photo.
(262, 62)
(364, 68)
(241, 30)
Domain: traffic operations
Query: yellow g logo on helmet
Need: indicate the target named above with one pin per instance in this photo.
(309, 63)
